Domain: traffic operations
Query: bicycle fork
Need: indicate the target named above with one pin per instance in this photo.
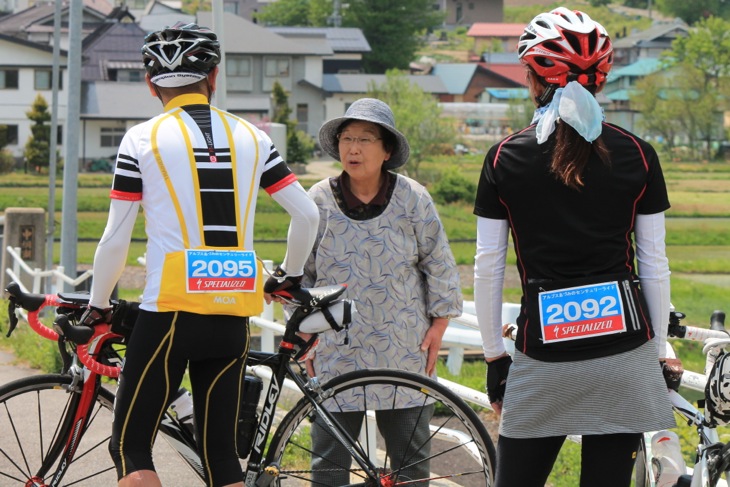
(73, 429)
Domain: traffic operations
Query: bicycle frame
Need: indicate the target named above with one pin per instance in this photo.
(86, 373)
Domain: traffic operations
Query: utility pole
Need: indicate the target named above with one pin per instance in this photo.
(221, 87)
(51, 226)
(69, 219)
(336, 18)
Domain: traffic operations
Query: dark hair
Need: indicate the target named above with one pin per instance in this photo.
(572, 153)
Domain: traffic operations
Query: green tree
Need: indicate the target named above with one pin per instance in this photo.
(707, 48)
(303, 13)
(695, 10)
(394, 30)
(299, 145)
(7, 161)
(417, 116)
(37, 148)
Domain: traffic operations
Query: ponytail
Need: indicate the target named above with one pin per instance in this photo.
(572, 153)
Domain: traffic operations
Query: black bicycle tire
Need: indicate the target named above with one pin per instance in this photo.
(467, 415)
(642, 467)
(39, 385)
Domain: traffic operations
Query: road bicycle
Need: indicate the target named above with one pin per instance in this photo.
(54, 428)
(712, 457)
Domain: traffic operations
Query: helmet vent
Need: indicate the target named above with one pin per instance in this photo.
(574, 42)
(552, 46)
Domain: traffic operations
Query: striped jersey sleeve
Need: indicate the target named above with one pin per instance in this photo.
(127, 183)
(277, 174)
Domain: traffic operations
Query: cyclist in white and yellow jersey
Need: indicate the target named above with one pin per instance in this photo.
(196, 171)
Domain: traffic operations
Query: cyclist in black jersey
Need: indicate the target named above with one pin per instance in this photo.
(196, 171)
(584, 201)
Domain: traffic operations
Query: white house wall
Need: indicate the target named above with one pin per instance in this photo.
(16, 102)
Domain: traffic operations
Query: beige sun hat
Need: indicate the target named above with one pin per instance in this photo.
(367, 110)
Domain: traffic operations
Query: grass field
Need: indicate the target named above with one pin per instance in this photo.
(698, 246)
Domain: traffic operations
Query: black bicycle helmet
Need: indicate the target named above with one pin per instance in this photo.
(181, 48)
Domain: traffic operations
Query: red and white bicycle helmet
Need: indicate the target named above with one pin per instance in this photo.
(717, 391)
(181, 48)
(566, 45)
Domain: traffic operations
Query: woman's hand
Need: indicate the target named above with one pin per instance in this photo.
(432, 342)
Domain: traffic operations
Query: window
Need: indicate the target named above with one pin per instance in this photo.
(302, 116)
(276, 68)
(8, 135)
(130, 75)
(44, 80)
(112, 136)
(238, 73)
(231, 7)
(8, 79)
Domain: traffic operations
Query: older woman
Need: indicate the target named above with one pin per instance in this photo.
(381, 235)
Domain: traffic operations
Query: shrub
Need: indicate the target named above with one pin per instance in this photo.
(7, 162)
(453, 187)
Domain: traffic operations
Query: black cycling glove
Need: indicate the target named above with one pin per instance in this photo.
(95, 316)
(497, 372)
(279, 281)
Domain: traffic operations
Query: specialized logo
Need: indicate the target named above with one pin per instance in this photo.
(220, 271)
(581, 312)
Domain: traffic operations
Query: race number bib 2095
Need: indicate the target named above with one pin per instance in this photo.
(220, 271)
(581, 312)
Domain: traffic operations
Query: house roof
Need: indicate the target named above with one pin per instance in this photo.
(665, 32)
(494, 29)
(155, 22)
(32, 45)
(508, 93)
(340, 39)
(455, 76)
(514, 73)
(39, 17)
(501, 58)
(116, 45)
(360, 83)
(642, 67)
(241, 36)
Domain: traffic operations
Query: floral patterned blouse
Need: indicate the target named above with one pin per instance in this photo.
(400, 273)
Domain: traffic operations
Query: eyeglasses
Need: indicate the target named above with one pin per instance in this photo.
(348, 140)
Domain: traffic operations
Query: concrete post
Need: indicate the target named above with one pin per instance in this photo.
(24, 228)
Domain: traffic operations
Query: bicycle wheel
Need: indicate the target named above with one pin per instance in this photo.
(35, 417)
(455, 450)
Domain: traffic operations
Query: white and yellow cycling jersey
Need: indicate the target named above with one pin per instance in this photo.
(200, 249)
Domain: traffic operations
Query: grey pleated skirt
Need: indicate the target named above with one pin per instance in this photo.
(622, 393)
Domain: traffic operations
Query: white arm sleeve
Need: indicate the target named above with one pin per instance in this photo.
(489, 265)
(653, 270)
(302, 229)
(111, 253)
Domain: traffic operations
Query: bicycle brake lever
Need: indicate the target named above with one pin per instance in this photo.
(12, 317)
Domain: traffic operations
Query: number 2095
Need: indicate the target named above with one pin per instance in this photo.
(217, 268)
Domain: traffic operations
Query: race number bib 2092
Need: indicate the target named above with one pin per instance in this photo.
(581, 312)
(220, 271)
